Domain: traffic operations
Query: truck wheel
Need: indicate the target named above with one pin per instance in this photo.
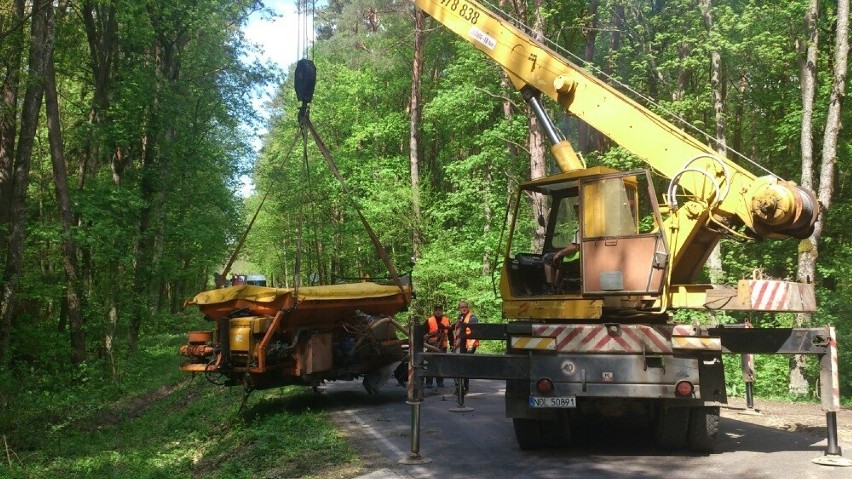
(528, 433)
(703, 428)
(672, 425)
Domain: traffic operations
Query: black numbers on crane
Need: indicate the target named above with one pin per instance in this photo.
(467, 12)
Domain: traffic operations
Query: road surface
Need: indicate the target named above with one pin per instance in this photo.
(481, 443)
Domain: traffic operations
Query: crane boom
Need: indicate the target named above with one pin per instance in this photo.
(724, 196)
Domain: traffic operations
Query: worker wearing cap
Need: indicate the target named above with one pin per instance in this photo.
(438, 329)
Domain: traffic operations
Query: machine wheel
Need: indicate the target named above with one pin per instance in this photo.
(672, 425)
(703, 428)
(528, 433)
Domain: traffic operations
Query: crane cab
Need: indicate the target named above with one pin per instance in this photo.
(613, 221)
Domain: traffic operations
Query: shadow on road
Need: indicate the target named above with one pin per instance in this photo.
(304, 398)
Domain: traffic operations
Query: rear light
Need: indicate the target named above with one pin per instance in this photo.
(544, 386)
(684, 389)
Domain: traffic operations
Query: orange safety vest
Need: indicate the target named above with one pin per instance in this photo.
(469, 343)
(434, 333)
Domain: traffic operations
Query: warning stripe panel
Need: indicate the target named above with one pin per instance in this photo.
(599, 338)
(684, 330)
(534, 343)
(769, 295)
(700, 344)
(774, 295)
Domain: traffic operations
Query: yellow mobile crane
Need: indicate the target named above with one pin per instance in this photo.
(595, 336)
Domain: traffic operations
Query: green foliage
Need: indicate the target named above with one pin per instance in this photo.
(771, 376)
(157, 422)
(154, 148)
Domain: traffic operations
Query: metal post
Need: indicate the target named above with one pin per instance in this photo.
(415, 428)
(750, 394)
(415, 392)
(457, 348)
(831, 424)
(747, 361)
(830, 395)
(747, 364)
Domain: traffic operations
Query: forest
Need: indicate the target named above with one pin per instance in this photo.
(125, 126)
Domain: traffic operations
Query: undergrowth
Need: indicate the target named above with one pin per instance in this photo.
(155, 421)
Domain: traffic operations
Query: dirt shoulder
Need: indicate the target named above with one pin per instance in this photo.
(807, 418)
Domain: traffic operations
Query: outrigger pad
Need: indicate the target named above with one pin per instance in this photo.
(305, 80)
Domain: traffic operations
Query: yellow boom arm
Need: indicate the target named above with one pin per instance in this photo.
(722, 194)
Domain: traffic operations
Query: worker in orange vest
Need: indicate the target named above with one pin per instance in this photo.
(468, 346)
(437, 331)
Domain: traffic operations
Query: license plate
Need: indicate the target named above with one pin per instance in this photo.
(561, 402)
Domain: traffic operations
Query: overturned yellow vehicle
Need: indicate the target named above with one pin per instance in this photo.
(265, 337)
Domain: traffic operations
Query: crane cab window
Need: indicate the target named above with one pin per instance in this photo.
(615, 221)
(622, 247)
(566, 222)
(610, 205)
(535, 235)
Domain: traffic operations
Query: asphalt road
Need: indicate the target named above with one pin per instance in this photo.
(481, 443)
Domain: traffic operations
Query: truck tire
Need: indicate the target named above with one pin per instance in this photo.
(703, 428)
(672, 425)
(528, 433)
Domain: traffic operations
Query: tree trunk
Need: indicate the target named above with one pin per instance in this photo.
(810, 248)
(12, 51)
(101, 30)
(538, 165)
(66, 216)
(807, 51)
(337, 270)
(739, 112)
(101, 26)
(21, 171)
(414, 132)
(488, 215)
(615, 37)
(156, 167)
(588, 138)
(714, 261)
(535, 137)
(797, 379)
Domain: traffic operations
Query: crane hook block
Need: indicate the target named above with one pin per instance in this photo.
(305, 80)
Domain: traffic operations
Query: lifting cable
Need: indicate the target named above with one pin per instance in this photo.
(304, 81)
(306, 14)
(308, 73)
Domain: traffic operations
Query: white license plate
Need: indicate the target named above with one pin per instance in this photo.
(562, 401)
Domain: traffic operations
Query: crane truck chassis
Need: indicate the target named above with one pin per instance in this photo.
(600, 339)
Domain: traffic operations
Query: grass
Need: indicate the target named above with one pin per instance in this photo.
(157, 422)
